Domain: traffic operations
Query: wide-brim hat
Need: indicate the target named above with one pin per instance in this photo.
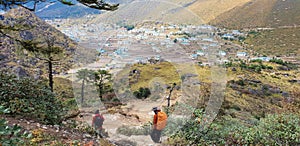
(156, 109)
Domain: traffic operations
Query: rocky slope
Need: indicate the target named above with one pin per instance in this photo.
(31, 28)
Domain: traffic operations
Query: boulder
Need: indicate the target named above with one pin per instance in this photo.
(20, 72)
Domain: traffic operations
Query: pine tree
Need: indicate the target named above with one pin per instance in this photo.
(50, 53)
(102, 78)
(84, 75)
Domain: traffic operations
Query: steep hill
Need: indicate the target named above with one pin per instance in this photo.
(163, 11)
(282, 15)
(278, 42)
(230, 13)
(30, 27)
(260, 13)
(210, 9)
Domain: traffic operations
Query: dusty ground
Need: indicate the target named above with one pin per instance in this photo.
(138, 112)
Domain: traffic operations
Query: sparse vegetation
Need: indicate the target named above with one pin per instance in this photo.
(255, 65)
(250, 15)
(276, 42)
(284, 63)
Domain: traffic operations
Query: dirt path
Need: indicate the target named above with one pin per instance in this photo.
(138, 113)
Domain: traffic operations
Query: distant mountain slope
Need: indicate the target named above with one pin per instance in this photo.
(54, 10)
(166, 11)
(276, 42)
(59, 10)
(210, 9)
(261, 13)
(285, 13)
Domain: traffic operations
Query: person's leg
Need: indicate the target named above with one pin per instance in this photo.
(155, 135)
(100, 133)
(158, 136)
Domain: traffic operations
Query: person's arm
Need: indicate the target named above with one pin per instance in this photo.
(155, 121)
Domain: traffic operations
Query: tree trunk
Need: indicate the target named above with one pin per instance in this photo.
(50, 74)
(169, 97)
(100, 91)
(82, 92)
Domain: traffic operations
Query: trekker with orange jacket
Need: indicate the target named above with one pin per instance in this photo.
(159, 123)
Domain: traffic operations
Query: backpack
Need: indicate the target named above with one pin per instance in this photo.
(99, 121)
(161, 120)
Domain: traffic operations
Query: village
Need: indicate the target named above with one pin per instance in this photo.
(150, 42)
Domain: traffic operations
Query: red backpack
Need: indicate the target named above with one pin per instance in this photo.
(99, 121)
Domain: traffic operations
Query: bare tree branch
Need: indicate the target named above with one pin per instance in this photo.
(95, 4)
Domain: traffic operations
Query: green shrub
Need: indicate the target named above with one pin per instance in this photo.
(257, 60)
(283, 129)
(30, 99)
(276, 129)
(128, 131)
(142, 93)
(11, 135)
(278, 61)
(228, 64)
(129, 27)
(269, 67)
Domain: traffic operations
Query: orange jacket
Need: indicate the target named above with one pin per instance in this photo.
(160, 120)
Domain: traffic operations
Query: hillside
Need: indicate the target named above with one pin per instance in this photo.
(34, 29)
(210, 9)
(235, 14)
(276, 42)
(248, 93)
(280, 15)
(162, 11)
(260, 13)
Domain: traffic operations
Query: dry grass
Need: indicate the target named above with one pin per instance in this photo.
(281, 41)
(163, 72)
(252, 14)
(210, 9)
(260, 13)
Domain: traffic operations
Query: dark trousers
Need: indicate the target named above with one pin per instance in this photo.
(99, 132)
(155, 135)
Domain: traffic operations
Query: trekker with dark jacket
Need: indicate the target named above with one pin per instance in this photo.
(97, 123)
